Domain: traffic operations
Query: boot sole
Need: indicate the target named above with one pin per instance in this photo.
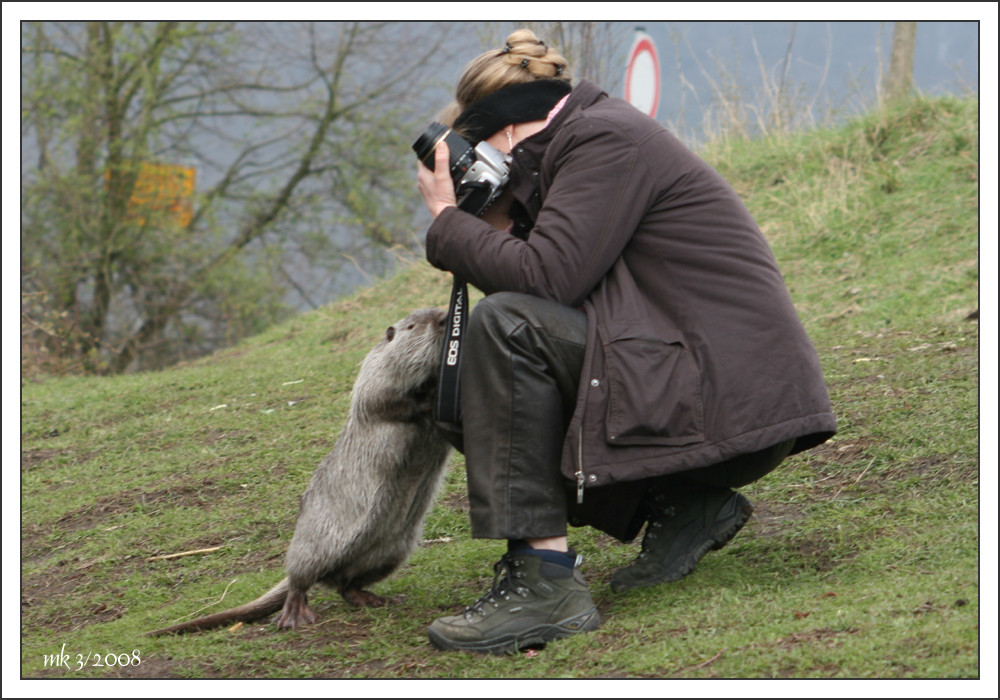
(511, 643)
(733, 515)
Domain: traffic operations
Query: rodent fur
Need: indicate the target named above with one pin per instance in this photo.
(362, 514)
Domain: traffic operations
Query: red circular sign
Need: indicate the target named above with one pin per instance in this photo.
(642, 76)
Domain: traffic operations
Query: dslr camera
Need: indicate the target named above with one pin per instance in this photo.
(479, 172)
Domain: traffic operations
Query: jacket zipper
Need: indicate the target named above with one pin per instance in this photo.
(579, 467)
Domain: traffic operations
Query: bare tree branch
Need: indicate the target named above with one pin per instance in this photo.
(278, 131)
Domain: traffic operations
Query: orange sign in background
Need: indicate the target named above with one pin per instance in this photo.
(162, 187)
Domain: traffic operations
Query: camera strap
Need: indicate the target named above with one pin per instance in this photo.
(448, 409)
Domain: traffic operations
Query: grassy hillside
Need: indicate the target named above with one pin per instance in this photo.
(860, 562)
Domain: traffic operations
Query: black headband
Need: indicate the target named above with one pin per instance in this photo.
(524, 102)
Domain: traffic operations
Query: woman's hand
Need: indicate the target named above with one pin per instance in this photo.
(436, 185)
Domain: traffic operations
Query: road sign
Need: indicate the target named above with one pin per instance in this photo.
(642, 75)
(164, 189)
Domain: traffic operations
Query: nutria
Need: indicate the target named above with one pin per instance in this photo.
(363, 512)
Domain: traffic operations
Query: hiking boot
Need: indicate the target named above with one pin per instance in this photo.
(683, 526)
(531, 602)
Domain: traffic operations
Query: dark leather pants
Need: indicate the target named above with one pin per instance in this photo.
(520, 368)
(520, 372)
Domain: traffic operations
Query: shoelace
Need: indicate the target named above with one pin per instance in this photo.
(503, 582)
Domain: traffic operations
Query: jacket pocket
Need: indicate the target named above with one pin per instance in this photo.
(654, 393)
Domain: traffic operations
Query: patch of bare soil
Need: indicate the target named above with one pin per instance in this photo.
(457, 501)
(207, 491)
(32, 459)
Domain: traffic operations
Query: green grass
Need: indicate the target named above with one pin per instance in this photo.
(862, 560)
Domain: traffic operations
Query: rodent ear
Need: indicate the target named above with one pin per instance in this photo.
(390, 332)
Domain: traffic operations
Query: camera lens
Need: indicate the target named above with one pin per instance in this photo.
(425, 143)
(461, 153)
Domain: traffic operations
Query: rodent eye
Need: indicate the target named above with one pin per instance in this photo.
(390, 332)
(411, 326)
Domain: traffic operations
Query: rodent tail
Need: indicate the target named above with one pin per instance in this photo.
(270, 602)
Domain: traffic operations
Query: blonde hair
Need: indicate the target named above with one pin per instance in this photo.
(523, 58)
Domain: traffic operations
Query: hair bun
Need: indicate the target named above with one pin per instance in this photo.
(525, 50)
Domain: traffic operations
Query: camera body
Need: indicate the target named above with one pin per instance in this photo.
(479, 172)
